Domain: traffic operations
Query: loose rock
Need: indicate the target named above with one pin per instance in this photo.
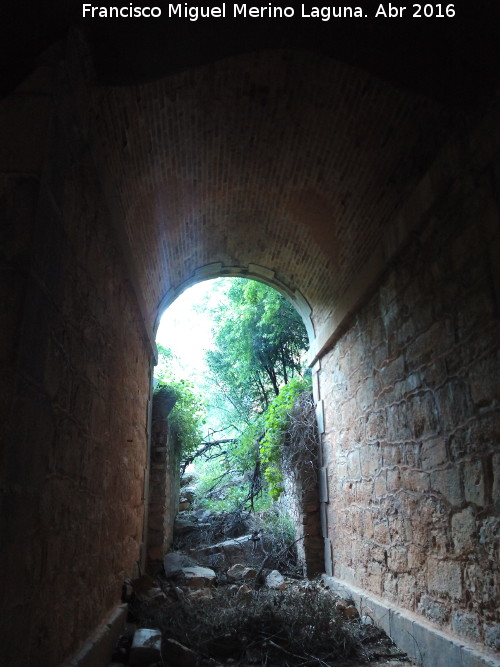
(275, 580)
(198, 577)
(240, 572)
(146, 647)
(188, 492)
(173, 563)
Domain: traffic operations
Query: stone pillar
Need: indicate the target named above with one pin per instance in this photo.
(163, 480)
(302, 492)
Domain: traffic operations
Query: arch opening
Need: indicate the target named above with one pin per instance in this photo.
(249, 475)
(252, 272)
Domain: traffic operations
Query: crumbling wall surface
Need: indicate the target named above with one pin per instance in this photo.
(412, 415)
(74, 398)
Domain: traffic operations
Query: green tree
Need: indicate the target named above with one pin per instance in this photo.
(188, 415)
(259, 341)
(256, 369)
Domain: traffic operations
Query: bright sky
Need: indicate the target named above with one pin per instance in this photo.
(187, 332)
(186, 328)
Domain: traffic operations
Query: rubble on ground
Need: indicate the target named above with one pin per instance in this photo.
(243, 613)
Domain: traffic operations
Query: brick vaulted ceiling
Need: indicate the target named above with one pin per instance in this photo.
(286, 147)
(283, 159)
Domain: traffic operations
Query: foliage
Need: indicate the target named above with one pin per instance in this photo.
(259, 340)
(189, 413)
(279, 526)
(257, 452)
(276, 420)
(256, 369)
(223, 487)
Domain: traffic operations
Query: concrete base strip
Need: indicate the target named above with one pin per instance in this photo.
(424, 644)
(97, 650)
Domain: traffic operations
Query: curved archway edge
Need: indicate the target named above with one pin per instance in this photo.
(253, 272)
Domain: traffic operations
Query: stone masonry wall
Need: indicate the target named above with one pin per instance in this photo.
(412, 418)
(75, 394)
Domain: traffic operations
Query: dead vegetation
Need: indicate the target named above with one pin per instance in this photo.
(294, 626)
(302, 625)
(301, 446)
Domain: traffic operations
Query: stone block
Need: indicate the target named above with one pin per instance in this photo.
(473, 478)
(375, 426)
(390, 587)
(444, 577)
(428, 345)
(365, 394)
(353, 465)
(391, 373)
(417, 556)
(364, 492)
(454, 404)
(447, 482)
(370, 459)
(415, 480)
(394, 481)
(398, 422)
(422, 415)
(146, 648)
(380, 484)
(466, 624)
(483, 381)
(397, 559)
(435, 611)
(240, 572)
(433, 453)
(391, 454)
(198, 577)
(492, 635)
(489, 531)
(463, 530)
(381, 531)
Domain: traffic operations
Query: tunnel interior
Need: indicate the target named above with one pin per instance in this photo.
(353, 167)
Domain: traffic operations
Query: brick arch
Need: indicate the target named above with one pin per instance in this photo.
(252, 272)
(222, 164)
